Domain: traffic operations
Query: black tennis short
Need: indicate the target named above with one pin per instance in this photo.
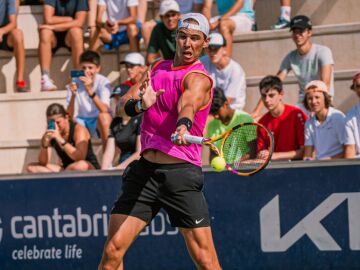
(60, 41)
(177, 188)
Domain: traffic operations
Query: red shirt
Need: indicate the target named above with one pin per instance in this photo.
(128, 82)
(288, 128)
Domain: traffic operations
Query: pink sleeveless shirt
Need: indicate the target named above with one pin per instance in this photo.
(159, 122)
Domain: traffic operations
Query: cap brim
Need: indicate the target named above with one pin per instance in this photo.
(215, 46)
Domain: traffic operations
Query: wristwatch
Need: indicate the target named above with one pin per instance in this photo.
(139, 106)
(92, 95)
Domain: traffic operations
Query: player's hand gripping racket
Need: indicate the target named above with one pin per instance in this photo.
(246, 148)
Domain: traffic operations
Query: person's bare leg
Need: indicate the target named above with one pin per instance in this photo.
(103, 124)
(142, 10)
(16, 41)
(37, 168)
(123, 230)
(74, 40)
(81, 165)
(47, 41)
(133, 31)
(201, 248)
(285, 3)
(227, 28)
(146, 30)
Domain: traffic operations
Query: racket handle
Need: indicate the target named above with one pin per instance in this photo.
(189, 138)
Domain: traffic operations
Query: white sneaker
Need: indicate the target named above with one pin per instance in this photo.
(47, 84)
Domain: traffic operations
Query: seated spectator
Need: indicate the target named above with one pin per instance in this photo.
(308, 61)
(121, 26)
(324, 131)
(284, 121)
(124, 134)
(226, 73)
(352, 124)
(285, 15)
(62, 27)
(163, 35)
(12, 39)
(91, 95)
(234, 17)
(71, 143)
(225, 117)
(135, 67)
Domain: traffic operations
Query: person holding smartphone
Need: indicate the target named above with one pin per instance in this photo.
(90, 92)
(70, 141)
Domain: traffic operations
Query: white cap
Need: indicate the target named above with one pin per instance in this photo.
(134, 58)
(169, 5)
(201, 19)
(216, 40)
(316, 85)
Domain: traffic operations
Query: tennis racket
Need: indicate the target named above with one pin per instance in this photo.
(247, 148)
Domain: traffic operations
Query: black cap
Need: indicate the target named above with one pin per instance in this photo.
(120, 90)
(300, 21)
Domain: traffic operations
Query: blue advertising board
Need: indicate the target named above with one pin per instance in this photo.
(290, 217)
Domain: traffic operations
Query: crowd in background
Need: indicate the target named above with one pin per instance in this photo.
(310, 129)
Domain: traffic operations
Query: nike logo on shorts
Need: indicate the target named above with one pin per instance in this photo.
(198, 221)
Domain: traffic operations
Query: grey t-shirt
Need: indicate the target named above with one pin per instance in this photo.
(308, 67)
(7, 8)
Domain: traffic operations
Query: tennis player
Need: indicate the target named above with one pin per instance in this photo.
(175, 98)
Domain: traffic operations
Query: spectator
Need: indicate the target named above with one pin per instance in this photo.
(234, 17)
(163, 36)
(121, 26)
(71, 143)
(91, 95)
(352, 125)
(124, 133)
(324, 131)
(308, 62)
(284, 121)
(226, 73)
(135, 67)
(285, 15)
(225, 116)
(12, 39)
(62, 27)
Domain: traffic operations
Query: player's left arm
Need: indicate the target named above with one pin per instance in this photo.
(197, 94)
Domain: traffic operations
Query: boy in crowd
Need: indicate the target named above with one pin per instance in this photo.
(135, 67)
(121, 26)
(284, 121)
(226, 73)
(352, 125)
(62, 27)
(91, 95)
(12, 39)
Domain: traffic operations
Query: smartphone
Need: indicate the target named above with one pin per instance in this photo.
(51, 125)
(77, 73)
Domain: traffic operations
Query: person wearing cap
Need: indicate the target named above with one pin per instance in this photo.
(121, 26)
(135, 67)
(124, 134)
(90, 94)
(308, 61)
(324, 131)
(235, 17)
(162, 37)
(226, 72)
(174, 98)
(352, 124)
(285, 122)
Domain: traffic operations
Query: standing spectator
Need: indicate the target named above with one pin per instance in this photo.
(124, 134)
(225, 117)
(71, 143)
(135, 67)
(91, 95)
(284, 121)
(285, 15)
(324, 131)
(234, 17)
(226, 73)
(308, 61)
(121, 26)
(163, 35)
(352, 125)
(12, 39)
(62, 27)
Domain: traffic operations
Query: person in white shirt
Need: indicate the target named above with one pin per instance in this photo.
(324, 131)
(90, 95)
(352, 124)
(226, 73)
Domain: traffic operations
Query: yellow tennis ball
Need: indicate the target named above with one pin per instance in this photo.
(218, 164)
